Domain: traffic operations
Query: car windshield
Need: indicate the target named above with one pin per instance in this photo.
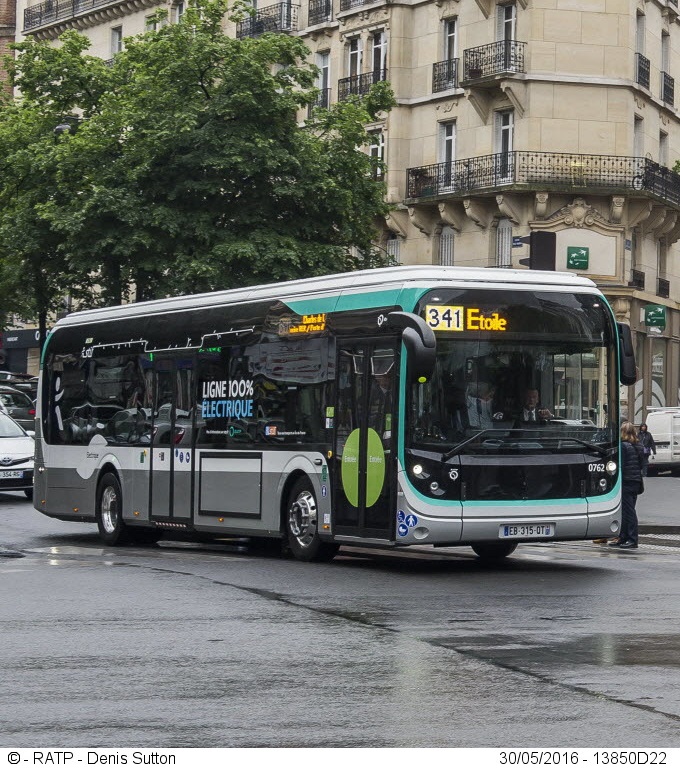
(544, 383)
(9, 428)
(15, 400)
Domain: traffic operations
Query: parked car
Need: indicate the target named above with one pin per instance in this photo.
(17, 450)
(18, 405)
(24, 382)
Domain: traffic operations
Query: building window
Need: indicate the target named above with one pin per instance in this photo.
(446, 246)
(355, 54)
(450, 44)
(379, 53)
(447, 152)
(506, 22)
(393, 248)
(116, 40)
(178, 11)
(376, 150)
(638, 137)
(503, 142)
(504, 243)
(323, 81)
(663, 149)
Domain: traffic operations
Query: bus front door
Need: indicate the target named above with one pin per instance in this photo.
(171, 450)
(364, 499)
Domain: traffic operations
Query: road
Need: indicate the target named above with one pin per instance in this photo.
(188, 645)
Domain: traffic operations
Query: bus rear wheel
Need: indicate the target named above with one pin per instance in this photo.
(112, 529)
(302, 525)
(494, 550)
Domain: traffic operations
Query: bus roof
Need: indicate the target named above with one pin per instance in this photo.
(362, 280)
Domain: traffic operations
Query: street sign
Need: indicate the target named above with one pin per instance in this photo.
(577, 257)
(655, 316)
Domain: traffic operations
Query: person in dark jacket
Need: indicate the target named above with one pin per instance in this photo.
(631, 477)
(646, 440)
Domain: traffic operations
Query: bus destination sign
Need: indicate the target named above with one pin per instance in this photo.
(459, 318)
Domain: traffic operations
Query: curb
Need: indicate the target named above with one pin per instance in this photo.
(659, 529)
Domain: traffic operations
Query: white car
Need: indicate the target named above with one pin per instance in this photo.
(17, 451)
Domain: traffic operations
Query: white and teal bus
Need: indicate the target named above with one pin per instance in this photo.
(380, 408)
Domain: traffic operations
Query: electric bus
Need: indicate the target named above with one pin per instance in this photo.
(344, 409)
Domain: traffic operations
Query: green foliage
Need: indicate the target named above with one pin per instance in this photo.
(188, 171)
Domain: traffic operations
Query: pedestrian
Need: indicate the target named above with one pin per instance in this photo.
(646, 440)
(632, 485)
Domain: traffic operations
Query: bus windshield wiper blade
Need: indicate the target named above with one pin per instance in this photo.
(462, 445)
(601, 448)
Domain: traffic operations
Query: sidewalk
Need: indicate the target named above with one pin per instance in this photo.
(658, 509)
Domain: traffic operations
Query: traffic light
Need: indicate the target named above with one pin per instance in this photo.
(542, 250)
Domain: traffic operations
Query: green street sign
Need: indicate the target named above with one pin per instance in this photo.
(577, 257)
(655, 316)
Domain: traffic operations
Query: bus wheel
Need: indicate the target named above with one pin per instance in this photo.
(494, 550)
(112, 530)
(301, 525)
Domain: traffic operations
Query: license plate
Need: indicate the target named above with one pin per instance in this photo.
(526, 531)
(11, 473)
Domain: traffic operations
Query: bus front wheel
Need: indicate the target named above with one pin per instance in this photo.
(494, 550)
(302, 525)
(112, 529)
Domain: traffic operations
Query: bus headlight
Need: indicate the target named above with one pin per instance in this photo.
(419, 472)
(611, 467)
(603, 484)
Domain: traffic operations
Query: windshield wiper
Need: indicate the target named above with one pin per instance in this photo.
(463, 444)
(599, 447)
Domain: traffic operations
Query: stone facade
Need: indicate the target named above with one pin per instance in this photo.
(538, 116)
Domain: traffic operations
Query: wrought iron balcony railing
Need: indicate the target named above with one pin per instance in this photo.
(667, 88)
(359, 85)
(282, 17)
(493, 59)
(637, 279)
(534, 169)
(445, 75)
(320, 11)
(663, 287)
(346, 5)
(51, 11)
(322, 101)
(642, 70)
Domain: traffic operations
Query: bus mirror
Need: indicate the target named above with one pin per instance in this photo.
(627, 369)
(420, 342)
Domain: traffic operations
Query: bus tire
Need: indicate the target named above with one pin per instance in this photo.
(494, 550)
(112, 529)
(301, 519)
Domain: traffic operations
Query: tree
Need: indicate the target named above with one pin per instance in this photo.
(189, 170)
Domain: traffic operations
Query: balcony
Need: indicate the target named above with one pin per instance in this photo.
(52, 11)
(667, 88)
(347, 5)
(282, 17)
(322, 101)
(320, 11)
(359, 85)
(637, 280)
(494, 59)
(545, 171)
(642, 70)
(445, 75)
(663, 287)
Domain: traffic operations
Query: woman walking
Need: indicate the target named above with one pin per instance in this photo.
(631, 476)
(646, 440)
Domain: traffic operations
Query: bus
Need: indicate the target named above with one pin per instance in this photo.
(344, 409)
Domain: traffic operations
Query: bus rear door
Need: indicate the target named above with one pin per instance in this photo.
(364, 462)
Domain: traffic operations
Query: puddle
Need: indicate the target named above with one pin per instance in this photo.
(604, 650)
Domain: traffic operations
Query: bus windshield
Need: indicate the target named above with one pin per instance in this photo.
(530, 375)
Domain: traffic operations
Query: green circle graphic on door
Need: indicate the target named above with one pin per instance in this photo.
(375, 467)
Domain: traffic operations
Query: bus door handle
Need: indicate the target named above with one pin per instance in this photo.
(318, 461)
